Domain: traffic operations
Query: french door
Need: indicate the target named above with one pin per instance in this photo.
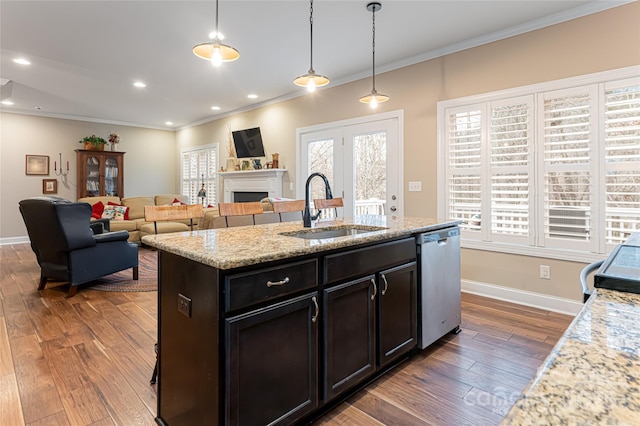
(362, 159)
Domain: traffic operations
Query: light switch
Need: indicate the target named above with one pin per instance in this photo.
(415, 186)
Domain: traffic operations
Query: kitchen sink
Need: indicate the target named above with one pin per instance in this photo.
(333, 232)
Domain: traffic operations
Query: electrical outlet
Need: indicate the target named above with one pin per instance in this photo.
(415, 186)
(184, 305)
(290, 186)
(545, 272)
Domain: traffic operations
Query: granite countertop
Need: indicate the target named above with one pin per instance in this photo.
(592, 376)
(228, 248)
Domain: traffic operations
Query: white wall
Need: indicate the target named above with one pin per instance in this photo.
(150, 163)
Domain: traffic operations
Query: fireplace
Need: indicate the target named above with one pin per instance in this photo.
(251, 185)
(247, 196)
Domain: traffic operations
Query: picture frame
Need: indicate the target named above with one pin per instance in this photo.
(49, 186)
(37, 165)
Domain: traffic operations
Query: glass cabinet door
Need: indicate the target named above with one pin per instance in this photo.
(111, 177)
(93, 176)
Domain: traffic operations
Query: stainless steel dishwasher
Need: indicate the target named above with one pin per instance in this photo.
(439, 269)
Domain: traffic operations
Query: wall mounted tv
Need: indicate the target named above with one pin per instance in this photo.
(248, 143)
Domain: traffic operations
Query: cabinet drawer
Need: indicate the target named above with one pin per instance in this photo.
(258, 286)
(368, 260)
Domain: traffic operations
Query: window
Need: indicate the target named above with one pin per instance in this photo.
(546, 170)
(199, 166)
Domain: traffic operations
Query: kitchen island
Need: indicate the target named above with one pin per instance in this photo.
(273, 324)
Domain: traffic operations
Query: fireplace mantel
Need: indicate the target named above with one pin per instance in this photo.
(263, 180)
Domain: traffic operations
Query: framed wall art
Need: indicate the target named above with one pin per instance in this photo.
(49, 186)
(37, 165)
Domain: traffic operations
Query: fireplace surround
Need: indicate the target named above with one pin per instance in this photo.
(246, 185)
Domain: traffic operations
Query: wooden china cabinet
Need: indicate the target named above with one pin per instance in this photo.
(100, 173)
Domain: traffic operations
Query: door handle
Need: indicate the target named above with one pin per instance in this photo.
(386, 284)
(281, 282)
(314, 318)
(375, 289)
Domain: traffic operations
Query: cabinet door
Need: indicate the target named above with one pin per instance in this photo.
(397, 324)
(271, 363)
(349, 328)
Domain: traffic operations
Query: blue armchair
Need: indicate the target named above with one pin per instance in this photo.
(69, 248)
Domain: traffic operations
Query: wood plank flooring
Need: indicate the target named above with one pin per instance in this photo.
(87, 360)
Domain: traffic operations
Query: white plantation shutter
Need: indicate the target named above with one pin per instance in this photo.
(199, 165)
(568, 125)
(464, 192)
(622, 160)
(550, 170)
(511, 165)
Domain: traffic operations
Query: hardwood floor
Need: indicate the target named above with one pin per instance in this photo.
(87, 360)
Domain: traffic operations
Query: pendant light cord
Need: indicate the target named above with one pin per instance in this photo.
(311, 38)
(217, 36)
(373, 46)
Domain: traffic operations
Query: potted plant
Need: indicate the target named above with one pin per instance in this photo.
(93, 142)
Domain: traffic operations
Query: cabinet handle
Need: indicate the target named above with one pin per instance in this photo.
(375, 289)
(386, 284)
(314, 318)
(281, 282)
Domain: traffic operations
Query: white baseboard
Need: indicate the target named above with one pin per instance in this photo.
(523, 297)
(13, 240)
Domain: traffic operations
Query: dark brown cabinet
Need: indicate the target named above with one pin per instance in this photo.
(100, 173)
(275, 343)
(372, 320)
(350, 324)
(272, 365)
(398, 318)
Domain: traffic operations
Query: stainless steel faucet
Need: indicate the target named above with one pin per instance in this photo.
(306, 215)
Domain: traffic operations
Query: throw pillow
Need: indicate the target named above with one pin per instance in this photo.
(126, 210)
(97, 209)
(177, 202)
(115, 212)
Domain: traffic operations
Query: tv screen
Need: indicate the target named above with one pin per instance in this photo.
(248, 143)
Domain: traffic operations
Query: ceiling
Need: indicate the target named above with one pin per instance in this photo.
(86, 55)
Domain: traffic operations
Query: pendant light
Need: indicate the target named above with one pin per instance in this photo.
(311, 80)
(214, 50)
(374, 98)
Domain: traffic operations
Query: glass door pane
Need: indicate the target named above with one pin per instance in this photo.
(93, 177)
(111, 177)
(370, 177)
(320, 154)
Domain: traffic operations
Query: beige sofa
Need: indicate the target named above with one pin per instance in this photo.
(136, 225)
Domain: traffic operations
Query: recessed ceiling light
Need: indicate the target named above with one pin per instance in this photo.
(215, 108)
(139, 84)
(21, 61)
(252, 96)
(169, 123)
(7, 103)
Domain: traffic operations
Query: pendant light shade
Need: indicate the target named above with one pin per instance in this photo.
(374, 98)
(214, 50)
(311, 80)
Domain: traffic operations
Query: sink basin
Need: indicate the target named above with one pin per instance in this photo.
(333, 232)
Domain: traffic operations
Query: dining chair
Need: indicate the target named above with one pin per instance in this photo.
(289, 211)
(328, 203)
(240, 214)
